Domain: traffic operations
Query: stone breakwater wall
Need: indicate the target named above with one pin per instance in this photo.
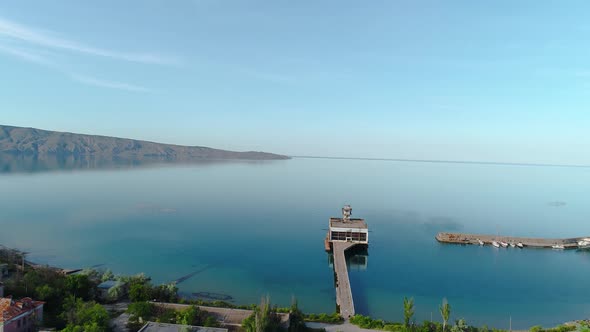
(462, 238)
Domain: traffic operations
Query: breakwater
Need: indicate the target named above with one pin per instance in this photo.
(462, 238)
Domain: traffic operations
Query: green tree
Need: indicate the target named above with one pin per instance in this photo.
(408, 310)
(136, 279)
(165, 293)
(188, 316)
(32, 280)
(115, 292)
(92, 274)
(210, 322)
(460, 326)
(264, 319)
(141, 309)
(45, 292)
(107, 275)
(79, 285)
(69, 308)
(88, 327)
(84, 316)
(139, 292)
(296, 318)
(445, 312)
(94, 313)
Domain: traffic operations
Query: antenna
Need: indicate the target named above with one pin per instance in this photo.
(346, 212)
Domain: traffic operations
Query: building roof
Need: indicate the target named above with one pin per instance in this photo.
(164, 327)
(110, 284)
(10, 308)
(351, 223)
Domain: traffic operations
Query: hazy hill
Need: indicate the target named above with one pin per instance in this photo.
(19, 141)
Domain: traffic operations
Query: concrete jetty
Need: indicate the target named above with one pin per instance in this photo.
(461, 238)
(343, 289)
(343, 234)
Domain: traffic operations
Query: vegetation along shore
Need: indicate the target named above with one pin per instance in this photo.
(78, 302)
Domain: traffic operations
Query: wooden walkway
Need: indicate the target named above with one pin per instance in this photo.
(343, 289)
(460, 238)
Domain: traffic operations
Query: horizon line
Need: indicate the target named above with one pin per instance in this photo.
(442, 161)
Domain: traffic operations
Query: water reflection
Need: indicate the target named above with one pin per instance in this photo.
(171, 222)
(357, 258)
(10, 163)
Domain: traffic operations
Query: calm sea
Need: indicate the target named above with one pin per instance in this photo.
(246, 229)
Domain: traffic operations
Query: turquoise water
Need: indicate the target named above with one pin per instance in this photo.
(249, 229)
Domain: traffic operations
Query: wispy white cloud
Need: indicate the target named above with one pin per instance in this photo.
(40, 59)
(37, 58)
(88, 80)
(26, 55)
(49, 39)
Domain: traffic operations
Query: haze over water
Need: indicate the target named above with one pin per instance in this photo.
(246, 229)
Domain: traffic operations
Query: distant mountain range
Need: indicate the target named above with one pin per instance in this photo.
(37, 143)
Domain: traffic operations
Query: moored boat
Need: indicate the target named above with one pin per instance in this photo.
(584, 244)
(480, 242)
(495, 244)
(557, 247)
(520, 245)
(512, 245)
(503, 244)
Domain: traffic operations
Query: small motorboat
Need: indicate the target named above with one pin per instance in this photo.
(558, 247)
(480, 242)
(584, 244)
(503, 244)
(512, 245)
(520, 245)
(495, 244)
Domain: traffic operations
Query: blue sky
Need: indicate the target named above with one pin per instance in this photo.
(457, 80)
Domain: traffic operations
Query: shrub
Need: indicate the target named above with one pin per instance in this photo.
(366, 322)
(324, 318)
(562, 328)
(145, 310)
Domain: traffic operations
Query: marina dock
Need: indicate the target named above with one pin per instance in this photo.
(343, 234)
(461, 238)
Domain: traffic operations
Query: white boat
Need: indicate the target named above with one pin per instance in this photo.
(495, 244)
(480, 242)
(520, 245)
(557, 246)
(503, 244)
(584, 244)
(512, 245)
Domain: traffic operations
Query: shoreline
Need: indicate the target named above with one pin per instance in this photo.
(205, 302)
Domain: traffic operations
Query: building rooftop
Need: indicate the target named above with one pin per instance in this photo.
(10, 309)
(351, 223)
(110, 284)
(164, 327)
